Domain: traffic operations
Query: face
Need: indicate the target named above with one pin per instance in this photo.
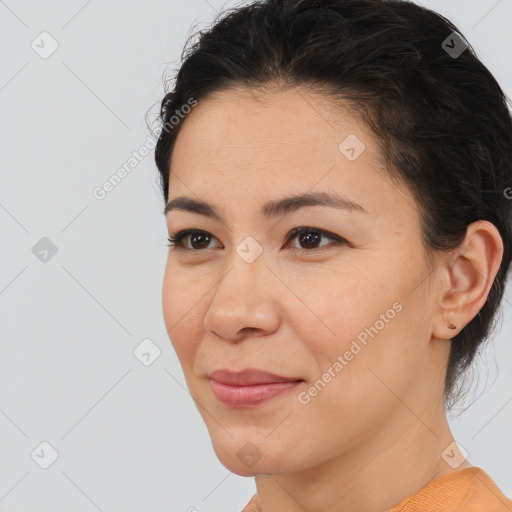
(343, 307)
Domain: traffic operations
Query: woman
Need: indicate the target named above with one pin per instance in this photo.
(335, 175)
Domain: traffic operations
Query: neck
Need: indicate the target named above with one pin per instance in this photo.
(375, 475)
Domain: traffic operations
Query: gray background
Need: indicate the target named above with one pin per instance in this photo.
(128, 436)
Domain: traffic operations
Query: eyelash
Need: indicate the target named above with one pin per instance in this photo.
(176, 243)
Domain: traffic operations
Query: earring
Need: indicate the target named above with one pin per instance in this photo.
(451, 326)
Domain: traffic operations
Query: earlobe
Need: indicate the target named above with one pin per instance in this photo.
(470, 273)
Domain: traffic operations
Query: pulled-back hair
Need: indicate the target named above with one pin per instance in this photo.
(442, 121)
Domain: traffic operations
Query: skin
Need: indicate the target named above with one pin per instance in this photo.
(375, 433)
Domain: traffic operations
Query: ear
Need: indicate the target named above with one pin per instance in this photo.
(466, 278)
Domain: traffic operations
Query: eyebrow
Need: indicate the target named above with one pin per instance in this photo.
(273, 208)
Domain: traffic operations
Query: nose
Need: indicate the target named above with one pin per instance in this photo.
(244, 301)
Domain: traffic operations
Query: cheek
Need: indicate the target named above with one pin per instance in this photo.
(182, 304)
(183, 293)
(352, 363)
(333, 308)
(358, 317)
(373, 354)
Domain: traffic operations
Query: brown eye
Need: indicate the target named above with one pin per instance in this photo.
(202, 240)
(309, 238)
(198, 240)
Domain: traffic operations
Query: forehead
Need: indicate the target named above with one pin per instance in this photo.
(239, 118)
(260, 143)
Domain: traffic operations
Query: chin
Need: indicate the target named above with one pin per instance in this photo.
(250, 458)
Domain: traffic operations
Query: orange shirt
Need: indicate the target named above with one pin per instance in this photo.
(466, 490)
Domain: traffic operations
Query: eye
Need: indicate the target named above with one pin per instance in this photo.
(311, 236)
(196, 237)
(306, 235)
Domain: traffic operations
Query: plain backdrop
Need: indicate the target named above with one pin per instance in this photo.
(85, 424)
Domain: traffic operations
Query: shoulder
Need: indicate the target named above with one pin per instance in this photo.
(466, 490)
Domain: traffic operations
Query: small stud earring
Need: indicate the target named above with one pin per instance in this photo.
(451, 326)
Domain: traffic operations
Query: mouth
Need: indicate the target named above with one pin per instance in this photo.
(248, 388)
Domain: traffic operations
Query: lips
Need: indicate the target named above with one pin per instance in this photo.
(248, 377)
(248, 388)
